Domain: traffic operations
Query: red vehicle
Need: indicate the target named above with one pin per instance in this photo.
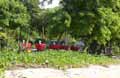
(75, 48)
(55, 46)
(40, 44)
(65, 47)
(40, 47)
(26, 46)
(58, 45)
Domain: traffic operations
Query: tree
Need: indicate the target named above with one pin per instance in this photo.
(18, 15)
(59, 24)
(51, 23)
(13, 14)
(33, 10)
(98, 20)
(4, 13)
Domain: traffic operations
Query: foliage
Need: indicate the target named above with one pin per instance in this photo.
(4, 13)
(93, 20)
(50, 21)
(13, 14)
(3, 38)
(60, 23)
(3, 35)
(19, 16)
(54, 58)
(97, 19)
(33, 10)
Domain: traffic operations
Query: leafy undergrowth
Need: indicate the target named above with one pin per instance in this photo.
(52, 59)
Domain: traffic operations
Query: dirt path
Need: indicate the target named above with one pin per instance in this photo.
(112, 71)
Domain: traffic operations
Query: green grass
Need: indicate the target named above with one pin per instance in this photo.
(54, 58)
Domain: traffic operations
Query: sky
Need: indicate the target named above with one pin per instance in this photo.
(54, 4)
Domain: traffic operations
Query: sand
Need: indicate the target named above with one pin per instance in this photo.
(93, 71)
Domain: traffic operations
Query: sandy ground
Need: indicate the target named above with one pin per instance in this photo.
(93, 71)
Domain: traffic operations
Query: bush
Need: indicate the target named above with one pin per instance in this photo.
(116, 50)
(3, 39)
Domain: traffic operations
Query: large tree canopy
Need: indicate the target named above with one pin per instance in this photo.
(4, 13)
(96, 19)
(18, 14)
(13, 14)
